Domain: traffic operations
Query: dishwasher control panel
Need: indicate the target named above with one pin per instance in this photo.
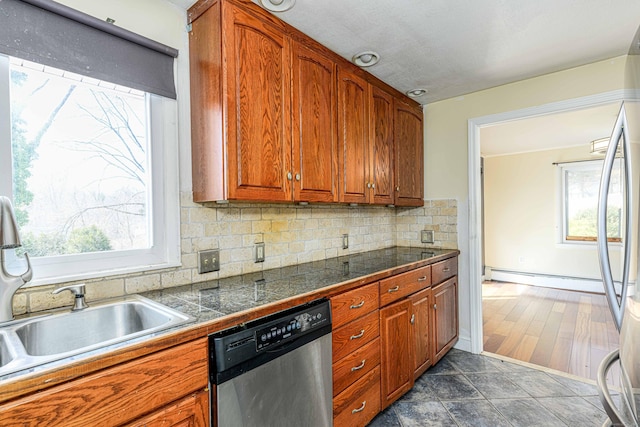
(291, 326)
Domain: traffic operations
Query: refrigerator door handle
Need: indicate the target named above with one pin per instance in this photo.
(619, 135)
(603, 389)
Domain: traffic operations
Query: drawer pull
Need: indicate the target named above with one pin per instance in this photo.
(446, 269)
(422, 279)
(360, 366)
(413, 319)
(355, 337)
(357, 305)
(360, 409)
(394, 289)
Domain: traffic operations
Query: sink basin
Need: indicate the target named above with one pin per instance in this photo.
(34, 341)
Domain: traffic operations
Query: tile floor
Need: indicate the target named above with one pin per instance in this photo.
(464, 389)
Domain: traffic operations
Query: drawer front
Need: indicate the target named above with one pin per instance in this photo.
(394, 288)
(353, 304)
(354, 335)
(354, 366)
(359, 403)
(443, 270)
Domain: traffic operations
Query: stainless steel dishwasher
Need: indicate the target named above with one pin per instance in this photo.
(274, 371)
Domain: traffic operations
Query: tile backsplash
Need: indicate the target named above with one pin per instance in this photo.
(292, 234)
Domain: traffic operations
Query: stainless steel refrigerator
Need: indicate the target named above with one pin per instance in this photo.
(623, 298)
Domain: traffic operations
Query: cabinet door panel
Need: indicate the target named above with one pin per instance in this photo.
(445, 298)
(421, 303)
(382, 147)
(258, 108)
(353, 137)
(408, 142)
(192, 411)
(396, 354)
(314, 132)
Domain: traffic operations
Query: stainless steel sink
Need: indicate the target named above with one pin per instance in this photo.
(35, 341)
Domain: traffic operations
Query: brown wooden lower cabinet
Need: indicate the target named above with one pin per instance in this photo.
(397, 342)
(421, 306)
(192, 411)
(359, 403)
(445, 319)
(121, 394)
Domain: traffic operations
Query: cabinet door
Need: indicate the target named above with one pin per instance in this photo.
(192, 411)
(353, 136)
(396, 346)
(381, 159)
(315, 168)
(408, 140)
(258, 67)
(421, 303)
(445, 328)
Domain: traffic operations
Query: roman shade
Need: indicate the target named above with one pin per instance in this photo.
(52, 34)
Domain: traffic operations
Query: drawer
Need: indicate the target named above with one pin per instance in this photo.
(351, 368)
(359, 403)
(350, 337)
(396, 287)
(443, 270)
(353, 304)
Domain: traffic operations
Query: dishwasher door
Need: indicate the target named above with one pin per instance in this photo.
(292, 390)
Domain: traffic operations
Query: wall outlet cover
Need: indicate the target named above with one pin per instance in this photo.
(260, 252)
(426, 236)
(345, 241)
(208, 261)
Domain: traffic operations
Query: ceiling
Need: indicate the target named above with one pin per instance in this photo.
(452, 48)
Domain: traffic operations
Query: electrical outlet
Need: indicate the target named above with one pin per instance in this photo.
(260, 252)
(208, 261)
(345, 241)
(426, 236)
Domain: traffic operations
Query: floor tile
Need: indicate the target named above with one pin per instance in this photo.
(476, 413)
(574, 411)
(451, 387)
(526, 413)
(387, 418)
(496, 386)
(539, 384)
(421, 391)
(467, 362)
(442, 367)
(580, 388)
(423, 414)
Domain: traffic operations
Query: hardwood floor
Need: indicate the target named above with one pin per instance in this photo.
(562, 330)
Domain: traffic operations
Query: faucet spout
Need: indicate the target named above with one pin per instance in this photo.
(9, 284)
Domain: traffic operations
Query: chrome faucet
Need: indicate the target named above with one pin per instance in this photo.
(78, 292)
(9, 239)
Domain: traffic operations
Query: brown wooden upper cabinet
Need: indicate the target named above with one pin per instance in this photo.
(408, 139)
(276, 117)
(365, 123)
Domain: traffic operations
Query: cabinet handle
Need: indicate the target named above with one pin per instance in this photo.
(368, 185)
(360, 409)
(435, 307)
(360, 366)
(289, 176)
(297, 177)
(355, 337)
(357, 305)
(394, 289)
(413, 319)
(446, 269)
(373, 185)
(398, 188)
(422, 279)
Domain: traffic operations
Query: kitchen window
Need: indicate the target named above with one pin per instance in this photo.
(88, 186)
(580, 188)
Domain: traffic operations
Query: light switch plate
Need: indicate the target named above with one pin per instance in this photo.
(208, 261)
(426, 236)
(345, 241)
(260, 252)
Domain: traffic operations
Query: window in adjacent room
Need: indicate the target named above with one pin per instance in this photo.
(580, 188)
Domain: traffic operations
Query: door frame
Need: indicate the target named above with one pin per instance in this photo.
(475, 187)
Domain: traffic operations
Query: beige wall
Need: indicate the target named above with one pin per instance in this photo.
(446, 141)
(522, 217)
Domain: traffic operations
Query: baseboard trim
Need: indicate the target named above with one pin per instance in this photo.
(547, 281)
(464, 343)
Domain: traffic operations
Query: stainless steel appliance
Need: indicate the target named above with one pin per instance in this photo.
(274, 371)
(625, 303)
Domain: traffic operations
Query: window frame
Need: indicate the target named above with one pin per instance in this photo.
(165, 208)
(564, 219)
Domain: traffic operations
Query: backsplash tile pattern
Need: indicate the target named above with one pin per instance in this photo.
(292, 234)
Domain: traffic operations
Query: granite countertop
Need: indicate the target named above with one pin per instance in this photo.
(210, 300)
(218, 304)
